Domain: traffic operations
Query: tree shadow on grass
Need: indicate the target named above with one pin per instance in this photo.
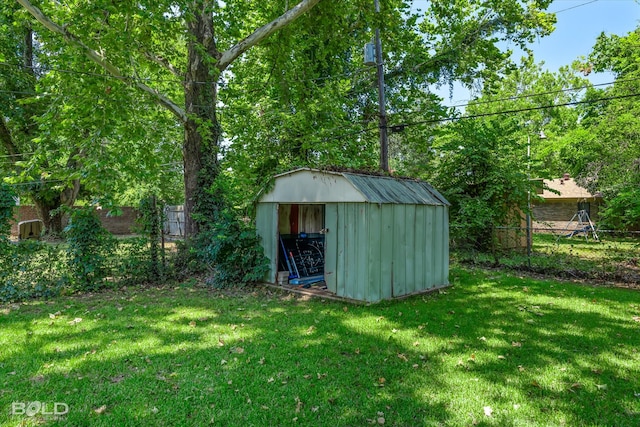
(196, 357)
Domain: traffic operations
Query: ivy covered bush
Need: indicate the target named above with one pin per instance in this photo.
(231, 251)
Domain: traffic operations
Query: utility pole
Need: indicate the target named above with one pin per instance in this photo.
(384, 143)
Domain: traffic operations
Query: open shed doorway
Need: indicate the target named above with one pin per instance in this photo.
(301, 242)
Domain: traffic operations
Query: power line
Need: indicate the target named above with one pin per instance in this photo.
(476, 102)
(521, 110)
(575, 7)
(533, 95)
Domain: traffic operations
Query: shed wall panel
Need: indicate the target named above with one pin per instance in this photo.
(386, 261)
(361, 251)
(445, 245)
(399, 251)
(342, 252)
(331, 247)
(420, 249)
(430, 255)
(354, 261)
(375, 244)
(410, 258)
(267, 229)
(438, 244)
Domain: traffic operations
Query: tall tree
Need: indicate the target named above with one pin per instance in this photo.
(610, 162)
(63, 133)
(303, 108)
(20, 74)
(121, 38)
(305, 97)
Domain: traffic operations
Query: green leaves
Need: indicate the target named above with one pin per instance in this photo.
(7, 204)
(89, 245)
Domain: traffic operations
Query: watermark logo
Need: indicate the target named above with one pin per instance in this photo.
(47, 409)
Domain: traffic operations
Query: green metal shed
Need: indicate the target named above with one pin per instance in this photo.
(380, 237)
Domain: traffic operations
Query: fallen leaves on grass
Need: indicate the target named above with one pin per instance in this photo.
(100, 410)
(403, 357)
(117, 379)
(516, 344)
(37, 379)
(636, 318)
(75, 321)
(379, 419)
(488, 412)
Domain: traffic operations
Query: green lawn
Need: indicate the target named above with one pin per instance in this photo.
(490, 350)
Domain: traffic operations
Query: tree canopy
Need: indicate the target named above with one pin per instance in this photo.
(105, 100)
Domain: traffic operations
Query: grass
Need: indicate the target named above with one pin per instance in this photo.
(611, 260)
(493, 349)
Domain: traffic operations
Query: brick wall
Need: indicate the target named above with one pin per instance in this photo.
(121, 224)
(561, 210)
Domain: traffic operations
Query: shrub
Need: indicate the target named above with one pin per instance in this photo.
(31, 269)
(231, 248)
(89, 245)
(7, 203)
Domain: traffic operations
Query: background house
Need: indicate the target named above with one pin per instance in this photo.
(558, 209)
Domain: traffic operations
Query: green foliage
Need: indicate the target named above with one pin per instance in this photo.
(7, 204)
(132, 262)
(31, 269)
(151, 221)
(89, 244)
(231, 249)
(482, 172)
(607, 149)
(622, 212)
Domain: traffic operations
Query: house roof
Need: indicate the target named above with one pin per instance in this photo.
(319, 186)
(568, 189)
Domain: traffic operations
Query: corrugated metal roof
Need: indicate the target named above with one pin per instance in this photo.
(381, 189)
(307, 185)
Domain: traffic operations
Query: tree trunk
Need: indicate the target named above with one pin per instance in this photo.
(48, 206)
(52, 221)
(201, 129)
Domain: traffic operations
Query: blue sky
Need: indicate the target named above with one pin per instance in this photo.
(579, 22)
